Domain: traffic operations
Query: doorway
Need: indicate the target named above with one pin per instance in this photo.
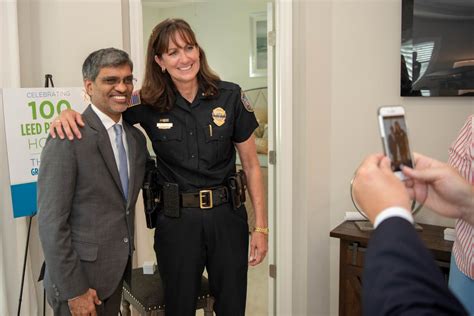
(233, 35)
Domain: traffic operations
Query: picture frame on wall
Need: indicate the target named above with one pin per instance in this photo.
(258, 45)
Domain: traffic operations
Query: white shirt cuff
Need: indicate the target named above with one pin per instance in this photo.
(395, 211)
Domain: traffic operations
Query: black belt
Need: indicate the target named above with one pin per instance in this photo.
(207, 198)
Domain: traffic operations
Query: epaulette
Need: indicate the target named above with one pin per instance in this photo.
(228, 85)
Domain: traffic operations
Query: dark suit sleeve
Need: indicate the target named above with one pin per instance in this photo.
(56, 186)
(401, 277)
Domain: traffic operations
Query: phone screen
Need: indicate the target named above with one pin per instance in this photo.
(396, 140)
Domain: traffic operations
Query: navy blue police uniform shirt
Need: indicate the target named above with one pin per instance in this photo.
(194, 142)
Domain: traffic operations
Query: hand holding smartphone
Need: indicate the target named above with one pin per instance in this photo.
(394, 133)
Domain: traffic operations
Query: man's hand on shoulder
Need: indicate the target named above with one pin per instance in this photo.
(84, 304)
(67, 125)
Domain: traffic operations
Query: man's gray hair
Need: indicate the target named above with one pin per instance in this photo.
(106, 57)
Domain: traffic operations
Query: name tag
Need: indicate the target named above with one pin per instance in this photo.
(162, 125)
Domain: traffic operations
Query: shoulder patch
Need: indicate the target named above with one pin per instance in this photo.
(135, 98)
(246, 101)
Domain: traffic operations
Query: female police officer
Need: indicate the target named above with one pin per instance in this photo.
(195, 121)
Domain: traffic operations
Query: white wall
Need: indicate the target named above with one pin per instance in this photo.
(222, 28)
(347, 63)
(55, 37)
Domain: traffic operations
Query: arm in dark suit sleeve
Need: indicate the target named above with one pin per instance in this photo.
(400, 276)
(56, 186)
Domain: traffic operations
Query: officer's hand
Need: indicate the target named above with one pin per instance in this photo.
(84, 305)
(67, 122)
(258, 248)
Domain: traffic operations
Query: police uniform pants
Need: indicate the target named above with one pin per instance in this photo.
(217, 239)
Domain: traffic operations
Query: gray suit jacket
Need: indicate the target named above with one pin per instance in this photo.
(86, 226)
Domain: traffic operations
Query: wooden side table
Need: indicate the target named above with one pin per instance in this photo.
(351, 262)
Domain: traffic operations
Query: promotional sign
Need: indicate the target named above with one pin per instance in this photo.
(28, 113)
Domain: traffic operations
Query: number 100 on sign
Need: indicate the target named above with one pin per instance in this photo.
(44, 111)
(47, 109)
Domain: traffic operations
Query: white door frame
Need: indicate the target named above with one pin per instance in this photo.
(284, 156)
(137, 51)
(282, 144)
(271, 255)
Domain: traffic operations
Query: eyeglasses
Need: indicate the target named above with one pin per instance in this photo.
(113, 81)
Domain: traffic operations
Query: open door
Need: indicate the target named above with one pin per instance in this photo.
(139, 20)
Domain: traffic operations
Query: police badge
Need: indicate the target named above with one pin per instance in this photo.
(218, 116)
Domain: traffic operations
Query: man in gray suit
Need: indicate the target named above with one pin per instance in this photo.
(87, 191)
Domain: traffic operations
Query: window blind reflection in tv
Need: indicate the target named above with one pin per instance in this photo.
(437, 48)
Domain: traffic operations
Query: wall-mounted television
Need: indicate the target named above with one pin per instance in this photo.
(437, 48)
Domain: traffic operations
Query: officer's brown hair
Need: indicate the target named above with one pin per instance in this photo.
(158, 88)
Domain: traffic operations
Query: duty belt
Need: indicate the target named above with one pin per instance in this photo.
(206, 199)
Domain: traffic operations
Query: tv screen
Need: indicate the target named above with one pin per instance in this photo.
(437, 48)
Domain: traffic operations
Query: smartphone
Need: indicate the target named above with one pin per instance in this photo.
(394, 132)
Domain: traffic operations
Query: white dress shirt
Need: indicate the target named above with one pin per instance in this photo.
(109, 126)
(394, 211)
